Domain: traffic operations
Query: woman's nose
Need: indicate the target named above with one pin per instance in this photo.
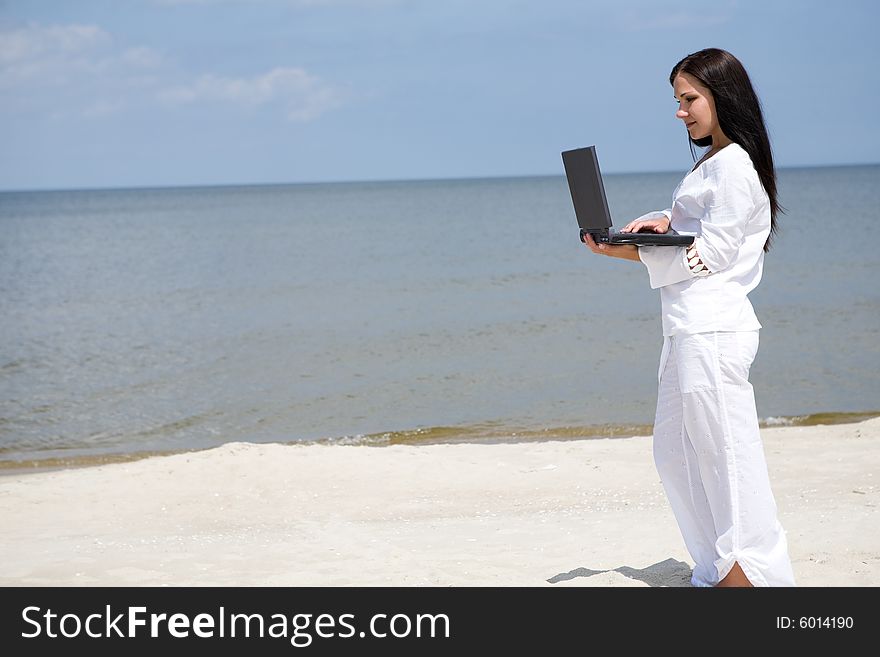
(681, 114)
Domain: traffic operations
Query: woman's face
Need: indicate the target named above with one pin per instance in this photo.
(696, 106)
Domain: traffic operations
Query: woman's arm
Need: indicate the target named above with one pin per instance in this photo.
(727, 205)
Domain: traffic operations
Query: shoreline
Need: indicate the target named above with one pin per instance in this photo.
(475, 434)
(549, 513)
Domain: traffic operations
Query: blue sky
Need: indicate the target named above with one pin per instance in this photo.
(115, 93)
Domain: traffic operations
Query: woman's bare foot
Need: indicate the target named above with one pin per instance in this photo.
(736, 577)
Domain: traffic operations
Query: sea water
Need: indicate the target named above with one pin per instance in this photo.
(145, 320)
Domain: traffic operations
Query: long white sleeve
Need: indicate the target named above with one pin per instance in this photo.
(723, 204)
(728, 203)
(666, 265)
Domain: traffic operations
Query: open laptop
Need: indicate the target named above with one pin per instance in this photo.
(591, 206)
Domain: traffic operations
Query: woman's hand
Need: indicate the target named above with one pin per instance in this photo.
(625, 251)
(656, 225)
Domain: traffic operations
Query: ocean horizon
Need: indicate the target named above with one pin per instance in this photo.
(355, 181)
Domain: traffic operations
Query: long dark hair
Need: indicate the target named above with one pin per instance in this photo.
(739, 114)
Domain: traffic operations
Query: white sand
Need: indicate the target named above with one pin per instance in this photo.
(575, 513)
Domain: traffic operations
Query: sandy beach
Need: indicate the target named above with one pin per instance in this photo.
(566, 513)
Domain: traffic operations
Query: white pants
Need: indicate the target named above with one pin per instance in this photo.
(709, 454)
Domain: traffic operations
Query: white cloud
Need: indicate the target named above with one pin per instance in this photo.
(51, 53)
(35, 41)
(303, 96)
(61, 71)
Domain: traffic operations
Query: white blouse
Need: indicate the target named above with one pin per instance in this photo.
(722, 203)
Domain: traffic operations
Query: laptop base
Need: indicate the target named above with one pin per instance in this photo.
(639, 239)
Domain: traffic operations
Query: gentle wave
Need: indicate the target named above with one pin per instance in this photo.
(490, 433)
(484, 433)
(815, 419)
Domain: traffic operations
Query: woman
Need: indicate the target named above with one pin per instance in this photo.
(707, 447)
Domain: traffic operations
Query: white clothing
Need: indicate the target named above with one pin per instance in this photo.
(707, 446)
(709, 454)
(723, 203)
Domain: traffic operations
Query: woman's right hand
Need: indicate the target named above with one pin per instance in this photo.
(625, 251)
(658, 223)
